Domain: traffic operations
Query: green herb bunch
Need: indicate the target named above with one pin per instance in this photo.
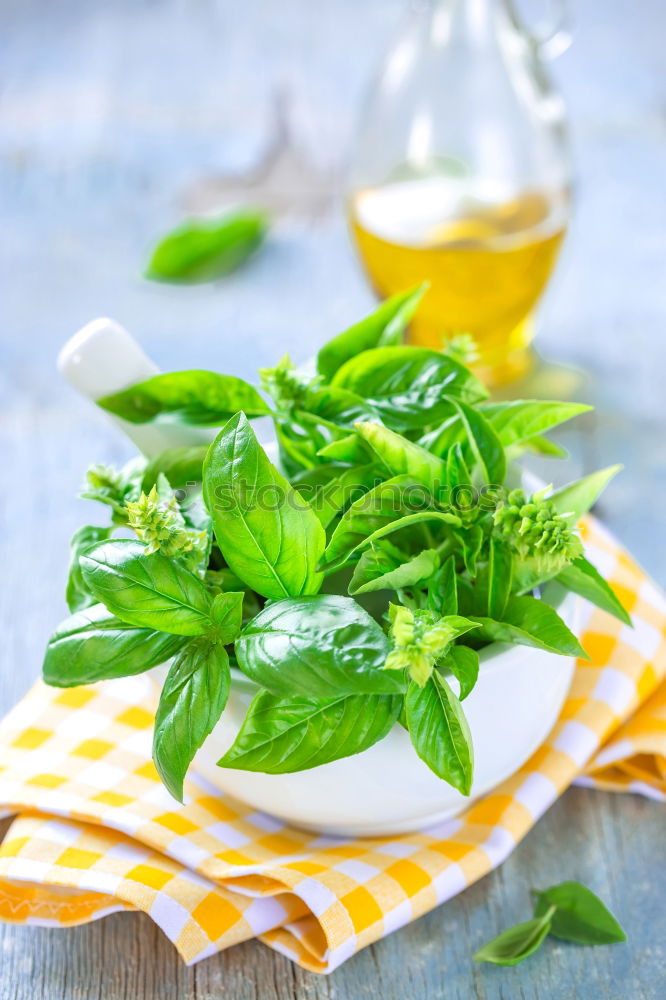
(356, 583)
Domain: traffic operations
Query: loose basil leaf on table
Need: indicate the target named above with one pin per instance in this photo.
(582, 578)
(530, 622)
(574, 500)
(181, 466)
(410, 386)
(517, 943)
(193, 397)
(378, 569)
(269, 536)
(463, 663)
(439, 731)
(77, 594)
(283, 735)
(579, 916)
(152, 591)
(523, 419)
(382, 328)
(93, 645)
(193, 698)
(402, 457)
(204, 249)
(317, 647)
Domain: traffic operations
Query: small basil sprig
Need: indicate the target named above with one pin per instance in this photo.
(569, 911)
(204, 249)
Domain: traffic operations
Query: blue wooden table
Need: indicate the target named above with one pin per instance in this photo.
(114, 117)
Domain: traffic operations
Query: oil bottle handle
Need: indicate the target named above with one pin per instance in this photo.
(552, 37)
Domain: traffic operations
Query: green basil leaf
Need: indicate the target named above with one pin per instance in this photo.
(472, 543)
(77, 594)
(410, 386)
(193, 397)
(94, 646)
(338, 407)
(380, 506)
(459, 477)
(193, 698)
(317, 647)
(181, 466)
(523, 419)
(463, 663)
(376, 570)
(442, 438)
(499, 578)
(226, 614)
(403, 457)
(269, 536)
(484, 443)
(574, 500)
(382, 328)
(530, 622)
(204, 249)
(439, 732)
(147, 590)
(282, 735)
(582, 577)
(580, 915)
(337, 495)
(517, 943)
(538, 445)
(443, 590)
(350, 448)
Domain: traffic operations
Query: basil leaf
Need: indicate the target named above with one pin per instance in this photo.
(181, 466)
(484, 443)
(94, 646)
(380, 506)
(403, 457)
(517, 943)
(348, 486)
(350, 448)
(339, 407)
(192, 700)
(439, 732)
(580, 915)
(77, 594)
(539, 446)
(318, 647)
(204, 249)
(443, 590)
(382, 328)
(269, 536)
(410, 386)
(463, 663)
(282, 735)
(523, 419)
(530, 622)
(193, 397)
(574, 500)
(442, 438)
(499, 578)
(582, 578)
(146, 590)
(472, 543)
(226, 614)
(376, 570)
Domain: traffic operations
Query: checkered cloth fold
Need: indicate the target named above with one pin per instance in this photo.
(95, 831)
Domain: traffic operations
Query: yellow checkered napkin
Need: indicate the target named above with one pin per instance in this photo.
(96, 832)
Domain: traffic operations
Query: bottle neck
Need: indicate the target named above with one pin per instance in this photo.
(474, 22)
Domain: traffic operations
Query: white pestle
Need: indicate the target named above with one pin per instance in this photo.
(103, 358)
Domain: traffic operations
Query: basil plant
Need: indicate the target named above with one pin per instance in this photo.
(354, 582)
